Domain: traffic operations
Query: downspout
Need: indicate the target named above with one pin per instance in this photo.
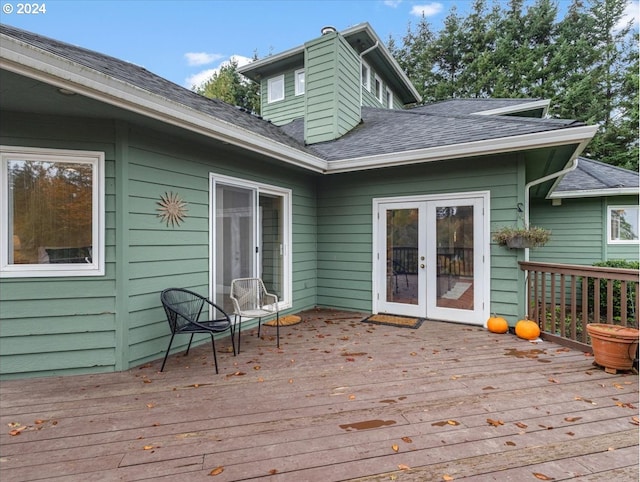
(528, 187)
(362, 54)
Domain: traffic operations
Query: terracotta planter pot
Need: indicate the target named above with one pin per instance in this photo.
(614, 347)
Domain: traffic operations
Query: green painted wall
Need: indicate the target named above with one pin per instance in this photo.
(52, 326)
(579, 231)
(345, 224)
(332, 74)
(283, 111)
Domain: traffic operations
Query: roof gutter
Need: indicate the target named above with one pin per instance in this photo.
(362, 54)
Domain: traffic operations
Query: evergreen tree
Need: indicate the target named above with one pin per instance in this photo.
(448, 52)
(228, 86)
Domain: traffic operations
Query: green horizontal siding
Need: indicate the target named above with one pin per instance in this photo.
(61, 325)
(345, 224)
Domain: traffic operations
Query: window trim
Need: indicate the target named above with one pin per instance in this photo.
(271, 91)
(388, 98)
(97, 266)
(378, 93)
(299, 86)
(366, 79)
(612, 208)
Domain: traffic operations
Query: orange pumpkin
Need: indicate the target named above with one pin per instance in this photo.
(527, 329)
(497, 324)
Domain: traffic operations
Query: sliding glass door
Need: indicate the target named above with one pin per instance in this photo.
(250, 237)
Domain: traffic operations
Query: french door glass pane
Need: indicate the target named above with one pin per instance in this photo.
(402, 253)
(454, 235)
(235, 239)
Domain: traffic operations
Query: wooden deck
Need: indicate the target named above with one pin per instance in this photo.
(341, 400)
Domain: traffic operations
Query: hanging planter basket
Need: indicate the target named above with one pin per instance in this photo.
(519, 238)
(520, 242)
(614, 347)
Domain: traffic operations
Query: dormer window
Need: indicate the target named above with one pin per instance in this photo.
(275, 89)
(388, 98)
(366, 76)
(299, 81)
(377, 83)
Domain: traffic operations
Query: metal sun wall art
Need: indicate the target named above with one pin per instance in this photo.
(172, 209)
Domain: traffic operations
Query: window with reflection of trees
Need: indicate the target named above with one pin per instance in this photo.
(623, 224)
(50, 211)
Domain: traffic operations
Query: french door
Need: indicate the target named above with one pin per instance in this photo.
(250, 237)
(430, 257)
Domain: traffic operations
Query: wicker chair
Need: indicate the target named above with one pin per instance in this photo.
(184, 308)
(251, 300)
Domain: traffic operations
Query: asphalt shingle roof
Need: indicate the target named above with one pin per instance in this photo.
(150, 82)
(469, 106)
(593, 175)
(381, 131)
(384, 131)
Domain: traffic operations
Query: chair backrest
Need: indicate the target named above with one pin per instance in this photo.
(248, 293)
(181, 306)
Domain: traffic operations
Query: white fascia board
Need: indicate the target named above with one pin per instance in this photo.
(525, 106)
(38, 64)
(622, 191)
(569, 135)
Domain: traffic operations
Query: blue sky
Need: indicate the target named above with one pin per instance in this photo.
(184, 41)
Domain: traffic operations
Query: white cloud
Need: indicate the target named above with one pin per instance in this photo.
(428, 10)
(630, 15)
(201, 77)
(392, 3)
(201, 58)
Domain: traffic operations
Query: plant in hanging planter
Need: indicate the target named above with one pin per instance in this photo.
(529, 237)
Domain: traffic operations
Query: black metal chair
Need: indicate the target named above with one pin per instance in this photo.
(184, 308)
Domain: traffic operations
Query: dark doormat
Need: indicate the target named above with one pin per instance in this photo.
(395, 320)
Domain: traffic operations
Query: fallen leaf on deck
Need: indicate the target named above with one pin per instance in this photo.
(404, 467)
(572, 419)
(352, 397)
(273, 472)
(542, 476)
(447, 477)
(17, 431)
(495, 423)
(395, 447)
(521, 425)
(217, 471)
(635, 421)
(510, 443)
(147, 447)
(150, 405)
(408, 439)
(553, 380)
(453, 422)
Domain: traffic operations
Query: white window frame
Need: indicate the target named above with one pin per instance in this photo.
(299, 81)
(378, 90)
(97, 265)
(388, 98)
(287, 215)
(610, 239)
(365, 72)
(275, 89)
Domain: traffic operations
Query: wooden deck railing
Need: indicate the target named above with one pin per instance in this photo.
(563, 298)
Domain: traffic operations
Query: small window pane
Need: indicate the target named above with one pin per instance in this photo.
(50, 212)
(378, 88)
(299, 75)
(623, 224)
(366, 76)
(275, 87)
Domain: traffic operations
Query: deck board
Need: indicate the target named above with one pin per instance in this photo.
(341, 400)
